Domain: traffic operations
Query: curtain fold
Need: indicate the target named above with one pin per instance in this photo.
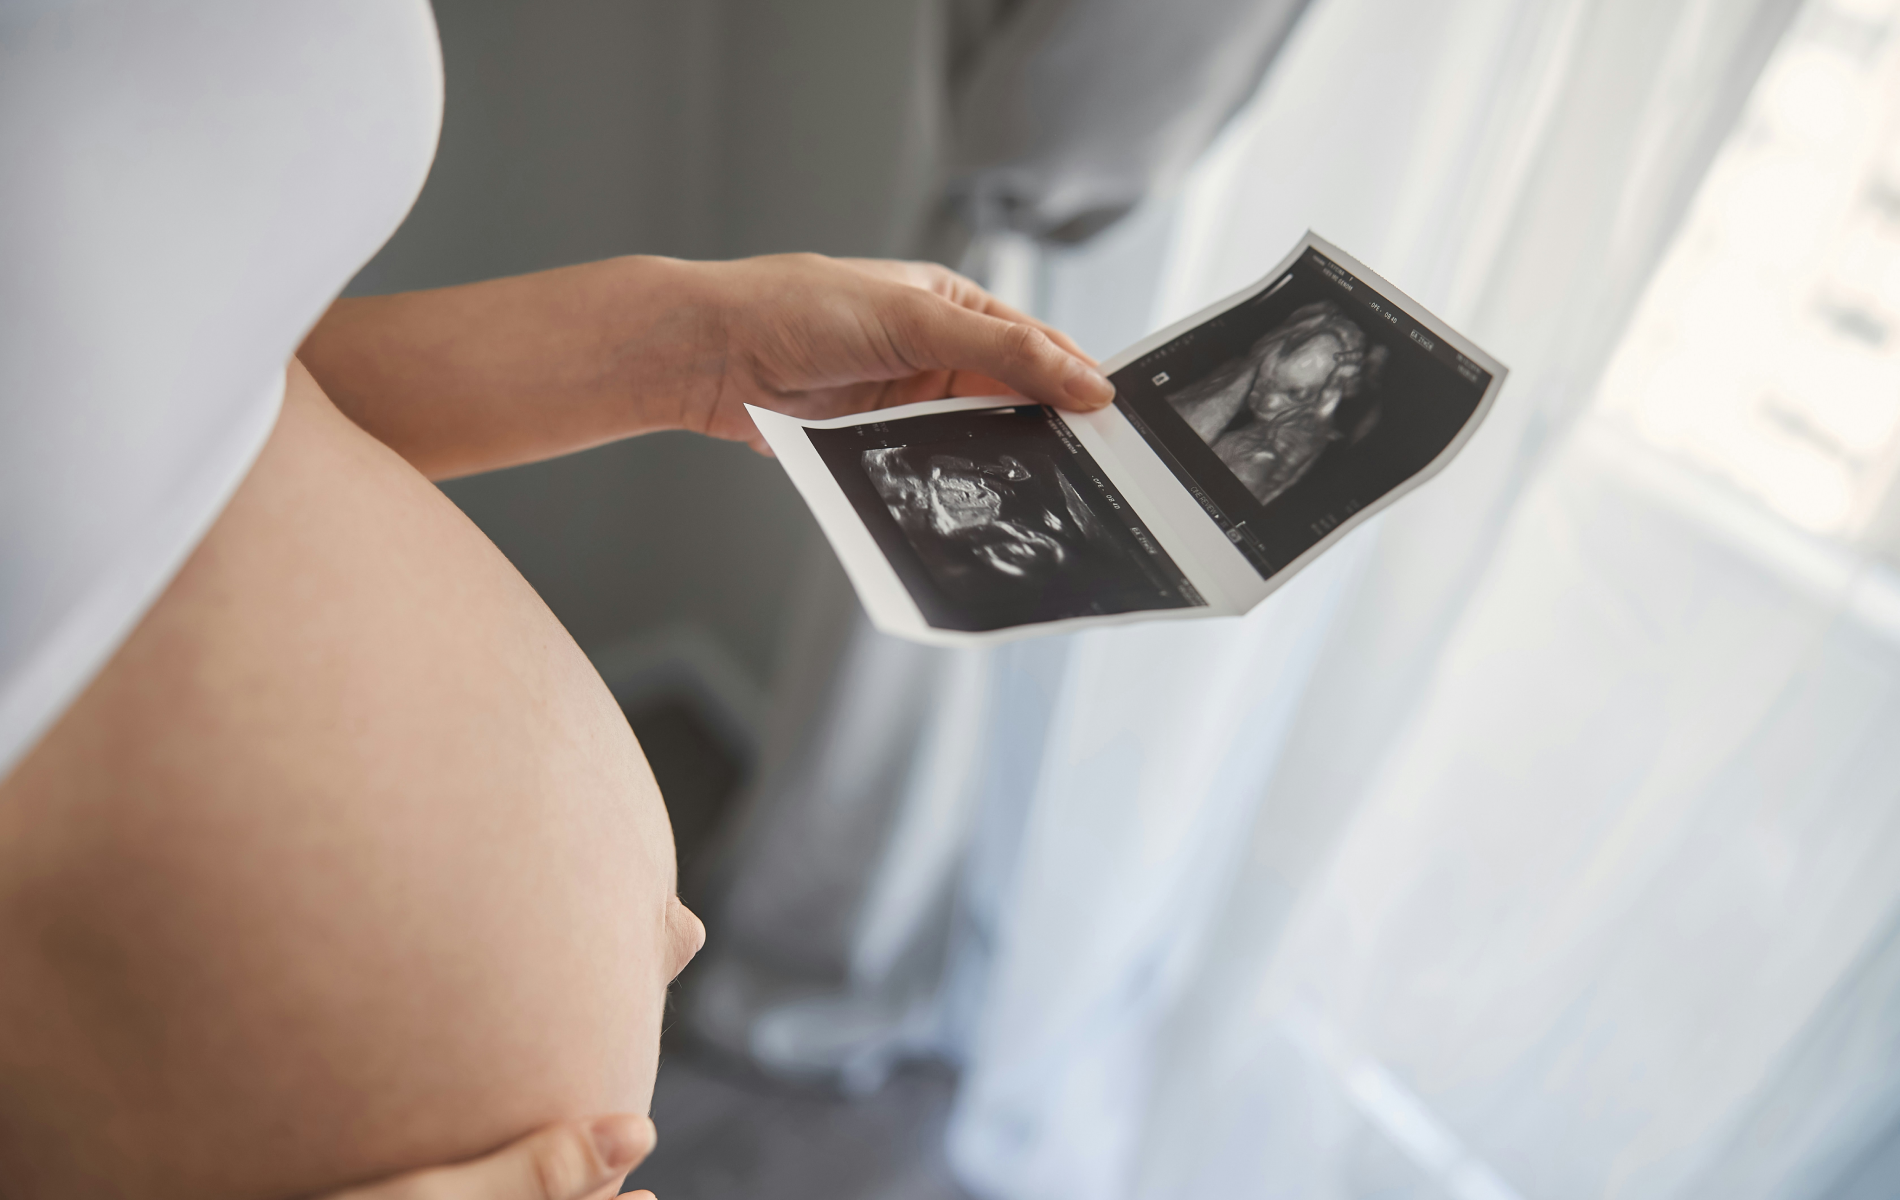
(1066, 114)
(1483, 154)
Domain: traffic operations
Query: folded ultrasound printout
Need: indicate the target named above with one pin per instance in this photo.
(1243, 442)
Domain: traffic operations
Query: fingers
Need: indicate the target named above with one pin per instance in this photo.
(575, 1160)
(935, 334)
(960, 290)
(976, 298)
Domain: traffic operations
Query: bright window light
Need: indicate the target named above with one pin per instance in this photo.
(1766, 354)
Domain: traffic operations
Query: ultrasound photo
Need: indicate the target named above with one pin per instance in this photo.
(1269, 413)
(1299, 406)
(999, 517)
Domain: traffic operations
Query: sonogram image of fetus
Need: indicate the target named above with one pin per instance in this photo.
(1270, 413)
(987, 523)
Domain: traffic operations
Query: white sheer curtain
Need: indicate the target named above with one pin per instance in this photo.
(1543, 840)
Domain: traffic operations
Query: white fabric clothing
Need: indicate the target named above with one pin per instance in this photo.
(186, 188)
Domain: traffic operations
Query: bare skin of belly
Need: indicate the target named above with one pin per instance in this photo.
(347, 863)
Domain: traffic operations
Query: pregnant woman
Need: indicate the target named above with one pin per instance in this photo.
(325, 855)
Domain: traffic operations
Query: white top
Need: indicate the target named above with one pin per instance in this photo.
(184, 188)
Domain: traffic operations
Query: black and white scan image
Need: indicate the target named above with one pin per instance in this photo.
(998, 517)
(1299, 407)
(976, 521)
(1269, 413)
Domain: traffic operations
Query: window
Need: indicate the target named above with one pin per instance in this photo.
(1765, 357)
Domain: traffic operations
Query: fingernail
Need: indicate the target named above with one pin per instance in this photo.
(623, 1141)
(1087, 385)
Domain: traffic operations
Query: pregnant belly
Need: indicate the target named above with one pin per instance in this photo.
(347, 863)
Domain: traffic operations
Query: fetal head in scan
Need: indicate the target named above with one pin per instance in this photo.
(1269, 413)
(1004, 516)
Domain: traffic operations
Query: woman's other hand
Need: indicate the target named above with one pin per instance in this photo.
(575, 1160)
(817, 337)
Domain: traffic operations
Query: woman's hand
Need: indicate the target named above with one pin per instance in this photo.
(575, 1160)
(471, 378)
(817, 337)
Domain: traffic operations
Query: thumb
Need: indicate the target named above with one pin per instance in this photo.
(938, 335)
(574, 1160)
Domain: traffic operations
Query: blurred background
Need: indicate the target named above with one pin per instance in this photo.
(1541, 841)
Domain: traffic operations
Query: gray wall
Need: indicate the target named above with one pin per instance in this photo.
(580, 129)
